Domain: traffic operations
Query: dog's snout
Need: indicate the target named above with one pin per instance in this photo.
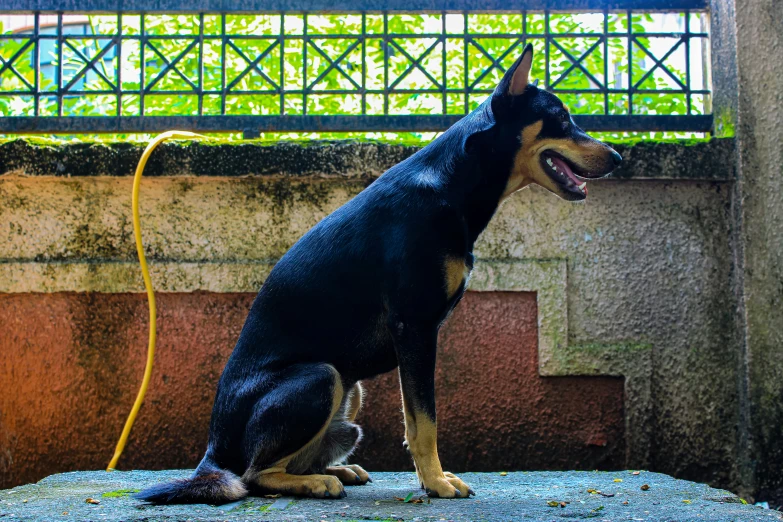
(616, 158)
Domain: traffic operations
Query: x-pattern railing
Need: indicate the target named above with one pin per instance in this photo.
(8, 64)
(577, 63)
(450, 68)
(252, 65)
(90, 64)
(496, 62)
(659, 63)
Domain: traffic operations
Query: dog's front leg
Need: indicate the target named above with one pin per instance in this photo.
(416, 357)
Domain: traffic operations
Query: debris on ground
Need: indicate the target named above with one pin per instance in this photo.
(593, 491)
(515, 496)
(410, 500)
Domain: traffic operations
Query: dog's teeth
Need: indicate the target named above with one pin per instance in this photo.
(549, 162)
(582, 186)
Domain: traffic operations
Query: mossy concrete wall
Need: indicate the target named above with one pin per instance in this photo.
(760, 256)
(635, 284)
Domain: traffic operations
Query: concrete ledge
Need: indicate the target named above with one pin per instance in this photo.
(511, 497)
(702, 160)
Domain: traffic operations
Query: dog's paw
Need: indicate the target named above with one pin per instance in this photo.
(447, 485)
(321, 486)
(350, 474)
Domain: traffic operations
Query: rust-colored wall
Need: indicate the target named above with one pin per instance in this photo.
(494, 411)
(71, 364)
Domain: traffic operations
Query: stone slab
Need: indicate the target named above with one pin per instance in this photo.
(512, 496)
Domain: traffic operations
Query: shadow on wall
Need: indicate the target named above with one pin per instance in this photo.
(73, 362)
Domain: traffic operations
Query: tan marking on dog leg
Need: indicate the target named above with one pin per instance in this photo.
(317, 486)
(309, 449)
(355, 399)
(422, 436)
(415, 468)
(350, 474)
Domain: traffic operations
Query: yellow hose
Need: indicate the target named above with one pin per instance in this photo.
(147, 284)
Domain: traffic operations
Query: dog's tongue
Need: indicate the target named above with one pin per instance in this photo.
(562, 166)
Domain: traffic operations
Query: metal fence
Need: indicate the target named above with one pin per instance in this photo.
(95, 66)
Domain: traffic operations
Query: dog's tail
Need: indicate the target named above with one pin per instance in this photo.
(208, 485)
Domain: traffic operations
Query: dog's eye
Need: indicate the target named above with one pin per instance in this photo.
(565, 120)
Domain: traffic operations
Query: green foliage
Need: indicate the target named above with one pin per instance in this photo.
(452, 62)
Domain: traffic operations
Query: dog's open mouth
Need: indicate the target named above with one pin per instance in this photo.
(564, 173)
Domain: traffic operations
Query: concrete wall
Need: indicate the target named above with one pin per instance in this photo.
(78, 358)
(759, 123)
(608, 326)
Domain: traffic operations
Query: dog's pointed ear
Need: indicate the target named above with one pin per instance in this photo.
(517, 76)
(481, 121)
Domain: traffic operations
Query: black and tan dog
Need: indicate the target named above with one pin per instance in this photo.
(365, 292)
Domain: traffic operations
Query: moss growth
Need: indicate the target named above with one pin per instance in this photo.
(591, 348)
(251, 506)
(359, 159)
(596, 358)
(120, 493)
(39, 141)
(724, 123)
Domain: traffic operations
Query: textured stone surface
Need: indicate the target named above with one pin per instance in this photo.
(74, 362)
(516, 496)
(760, 118)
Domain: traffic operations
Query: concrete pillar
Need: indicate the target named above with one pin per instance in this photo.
(759, 134)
